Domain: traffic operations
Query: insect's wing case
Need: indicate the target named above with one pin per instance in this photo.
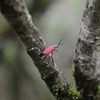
(48, 50)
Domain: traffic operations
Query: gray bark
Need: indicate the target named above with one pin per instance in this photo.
(87, 53)
(86, 59)
(17, 15)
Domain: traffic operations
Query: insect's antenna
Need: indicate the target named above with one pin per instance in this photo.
(59, 43)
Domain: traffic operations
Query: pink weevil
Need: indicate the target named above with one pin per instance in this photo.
(50, 49)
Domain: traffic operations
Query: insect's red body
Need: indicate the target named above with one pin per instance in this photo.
(48, 50)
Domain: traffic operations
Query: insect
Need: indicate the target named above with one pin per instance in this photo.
(50, 49)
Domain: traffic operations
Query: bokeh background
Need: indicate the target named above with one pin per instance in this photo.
(56, 19)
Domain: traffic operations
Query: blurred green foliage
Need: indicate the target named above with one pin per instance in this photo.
(9, 52)
(4, 26)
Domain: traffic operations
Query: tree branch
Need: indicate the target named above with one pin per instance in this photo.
(18, 16)
(87, 53)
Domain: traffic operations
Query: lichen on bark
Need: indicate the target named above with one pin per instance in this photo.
(16, 13)
(87, 52)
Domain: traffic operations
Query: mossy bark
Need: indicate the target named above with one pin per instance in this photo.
(87, 53)
(17, 15)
